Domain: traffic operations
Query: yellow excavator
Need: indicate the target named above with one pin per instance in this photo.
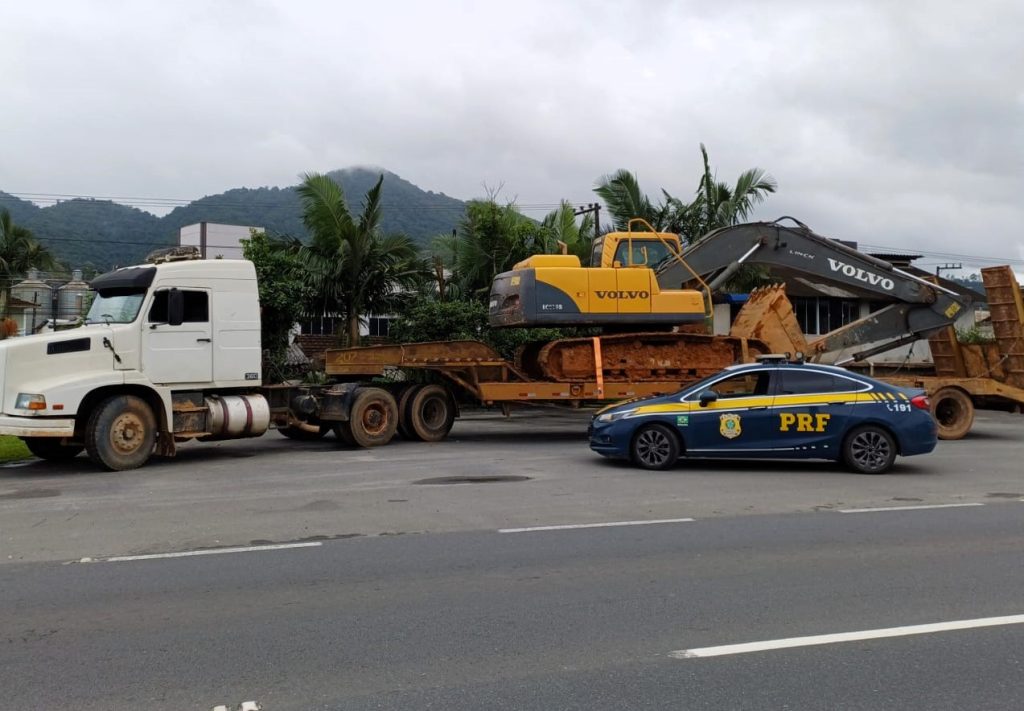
(620, 289)
(642, 284)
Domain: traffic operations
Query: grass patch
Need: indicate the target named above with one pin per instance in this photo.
(12, 449)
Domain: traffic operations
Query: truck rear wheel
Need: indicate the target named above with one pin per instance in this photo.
(120, 433)
(402, 396)
(953, 412)
(430, 413)
(373, 418)
(52, 448)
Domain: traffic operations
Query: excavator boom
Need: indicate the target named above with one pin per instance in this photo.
(916, 307)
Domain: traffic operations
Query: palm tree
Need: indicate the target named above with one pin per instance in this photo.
(490, 239)
(625, 201)
(722, 205)
(19, 252)
(352, 267)
(561, 226)
(716, 204)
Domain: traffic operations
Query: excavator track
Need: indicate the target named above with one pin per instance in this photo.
(637, 357)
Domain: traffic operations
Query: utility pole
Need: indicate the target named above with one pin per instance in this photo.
(594, 208)
(948, 267)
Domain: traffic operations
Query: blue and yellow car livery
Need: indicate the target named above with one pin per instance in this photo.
(771, 409)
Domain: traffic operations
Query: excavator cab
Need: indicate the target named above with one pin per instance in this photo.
(633, 249)
(620, 289)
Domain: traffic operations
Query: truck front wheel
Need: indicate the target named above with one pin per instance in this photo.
(52, 448)
(120, 433)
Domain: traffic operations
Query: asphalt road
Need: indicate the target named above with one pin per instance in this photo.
(395, 588)
(567, 619)
(273, 489)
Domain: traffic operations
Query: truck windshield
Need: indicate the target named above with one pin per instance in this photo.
(115, 307)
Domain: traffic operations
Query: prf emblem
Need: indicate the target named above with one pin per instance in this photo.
(730, 426)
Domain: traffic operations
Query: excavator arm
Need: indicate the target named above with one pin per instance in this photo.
(796, 253)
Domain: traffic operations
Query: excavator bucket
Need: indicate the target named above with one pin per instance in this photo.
(768, 317)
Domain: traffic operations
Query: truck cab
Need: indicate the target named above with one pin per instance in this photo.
(168, 350)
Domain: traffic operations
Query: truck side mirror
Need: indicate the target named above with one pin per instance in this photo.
(175, 307)
(707, 397)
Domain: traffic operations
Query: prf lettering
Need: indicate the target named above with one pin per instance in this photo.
(803, 422)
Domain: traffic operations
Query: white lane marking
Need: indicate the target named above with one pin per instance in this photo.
(909, 508)
(610, 524)
(210, 551)
(846, 637)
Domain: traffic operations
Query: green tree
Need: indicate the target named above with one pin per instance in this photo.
(723, 205)
(625, 201)
(352, 268)
(562, 226)
(284, 296)
(19, 252)
(715, 204)
(428, 318)
(490, 239)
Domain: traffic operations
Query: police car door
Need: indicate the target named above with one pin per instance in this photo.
(737, 423)
(811, 410)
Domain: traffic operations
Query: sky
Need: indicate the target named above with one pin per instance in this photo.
(896, 124)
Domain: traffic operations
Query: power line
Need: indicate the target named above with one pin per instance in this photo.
(949, 255)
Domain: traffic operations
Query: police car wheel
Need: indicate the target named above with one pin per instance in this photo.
(654, 447)
(869, 450)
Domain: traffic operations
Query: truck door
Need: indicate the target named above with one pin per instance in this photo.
(182, 353)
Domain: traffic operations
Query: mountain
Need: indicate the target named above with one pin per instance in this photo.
(101, 233)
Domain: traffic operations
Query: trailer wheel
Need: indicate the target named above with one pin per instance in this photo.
(402, 396)
(373, 418)
(307, 433)
(52, 449)
(953, 410)
(120, 433)
(430, 413)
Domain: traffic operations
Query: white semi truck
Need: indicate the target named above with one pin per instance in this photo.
(170, 352)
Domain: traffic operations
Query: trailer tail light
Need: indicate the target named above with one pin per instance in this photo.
(920, 402)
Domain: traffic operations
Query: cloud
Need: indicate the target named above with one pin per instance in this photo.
(888, 123)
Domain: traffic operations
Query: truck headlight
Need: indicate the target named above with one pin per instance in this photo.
(612, 416)
(30, 401)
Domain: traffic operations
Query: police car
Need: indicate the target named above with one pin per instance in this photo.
(775, 408)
